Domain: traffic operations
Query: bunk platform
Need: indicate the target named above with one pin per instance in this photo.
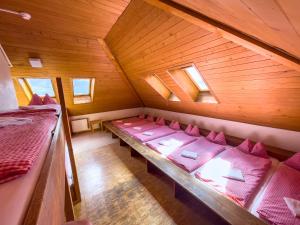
(183, 181)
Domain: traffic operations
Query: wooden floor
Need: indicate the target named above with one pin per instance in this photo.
(116, 189)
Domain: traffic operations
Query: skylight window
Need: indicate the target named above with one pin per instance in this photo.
(156, 83)
(39, 86)
(83, 90)
(192, 83)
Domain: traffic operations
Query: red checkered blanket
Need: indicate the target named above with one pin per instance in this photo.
(20, 145)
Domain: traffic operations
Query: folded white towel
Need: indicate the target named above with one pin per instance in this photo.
(147, 133)
(137, 128)
(189, 154)
(127, 124)
(165, 143)
(293, 205)
(235, 174)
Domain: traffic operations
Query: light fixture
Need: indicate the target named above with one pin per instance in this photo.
(35, 62)
(23, 15)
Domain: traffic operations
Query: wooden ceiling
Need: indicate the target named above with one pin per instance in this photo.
(251, 88)
(67, 41)
(276, 22)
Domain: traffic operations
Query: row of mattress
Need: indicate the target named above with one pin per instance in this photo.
(245, 174)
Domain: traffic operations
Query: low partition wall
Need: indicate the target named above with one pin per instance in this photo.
(284, 139)
(110, 115)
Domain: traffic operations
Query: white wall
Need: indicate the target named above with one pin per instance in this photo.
(289, 140)
(111, 115)
(8, 99)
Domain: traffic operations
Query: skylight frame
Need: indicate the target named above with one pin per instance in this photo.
(83, 98)
(171, 96)
(196, 88)
(27, 87)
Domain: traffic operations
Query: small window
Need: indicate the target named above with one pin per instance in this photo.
(39, 86)
(192, 82)
(83, 89)
(156, 83)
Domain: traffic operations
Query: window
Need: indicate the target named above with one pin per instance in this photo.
(155, 82)
(192, 82)
(83, 89)
(39, 86)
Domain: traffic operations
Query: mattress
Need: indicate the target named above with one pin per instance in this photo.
(155, 133)
(17, 193)
(204, 149)
(127, 120)
(167, 144)
(135, 123)
(253, 169)
(140, 128)
(284, 183)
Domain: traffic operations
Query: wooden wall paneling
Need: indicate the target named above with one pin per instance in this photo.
(227, 32)
(67, 130)
(251, 87)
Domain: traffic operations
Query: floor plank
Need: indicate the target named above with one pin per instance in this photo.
(116, 188)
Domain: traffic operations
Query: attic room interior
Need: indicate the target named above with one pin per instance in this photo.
(149, 112)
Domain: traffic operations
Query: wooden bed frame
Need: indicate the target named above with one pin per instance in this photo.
(48, 205)
(221, 205)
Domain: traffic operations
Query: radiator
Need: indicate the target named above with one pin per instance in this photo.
(80, 125)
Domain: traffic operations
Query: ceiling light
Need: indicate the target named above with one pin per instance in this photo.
(35, 62)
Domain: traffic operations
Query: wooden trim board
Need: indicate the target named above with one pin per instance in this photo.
(224, 207)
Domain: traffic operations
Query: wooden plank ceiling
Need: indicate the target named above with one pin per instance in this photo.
(64, 34)
(250, 87)
(276, 22)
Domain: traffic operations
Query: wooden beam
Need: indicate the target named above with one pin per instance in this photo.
(69, 210)
(67, 130)
(119, 68)
(227, 32)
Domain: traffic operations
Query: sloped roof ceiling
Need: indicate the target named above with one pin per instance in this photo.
(64, 34)
(276, 22)
(250, 87)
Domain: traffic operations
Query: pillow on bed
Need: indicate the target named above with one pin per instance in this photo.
(195, 132)
(160, 121)
(48, 100)
(246, 146)
(211, 136)
(175, 125)
(259, 150)
(150, 118)
(220, 139)
(294, 161)
(188, 129)
(36, 100)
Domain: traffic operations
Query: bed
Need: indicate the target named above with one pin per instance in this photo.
(204, 149)
(153, 134)
(141, 128)
(219, 173)
(29, 196)
(131, 123)
(272, 207)
(167, 144)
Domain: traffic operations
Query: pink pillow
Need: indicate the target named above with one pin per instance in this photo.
(259, 150)
(220, 139)
(211, 136)
(195, 132)
(160, 121)
(293, 161)
(150, 118)
(188, 129)
(48, 100)
(175, 125)
(246, 146)
(142, 116)
(36, 100)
